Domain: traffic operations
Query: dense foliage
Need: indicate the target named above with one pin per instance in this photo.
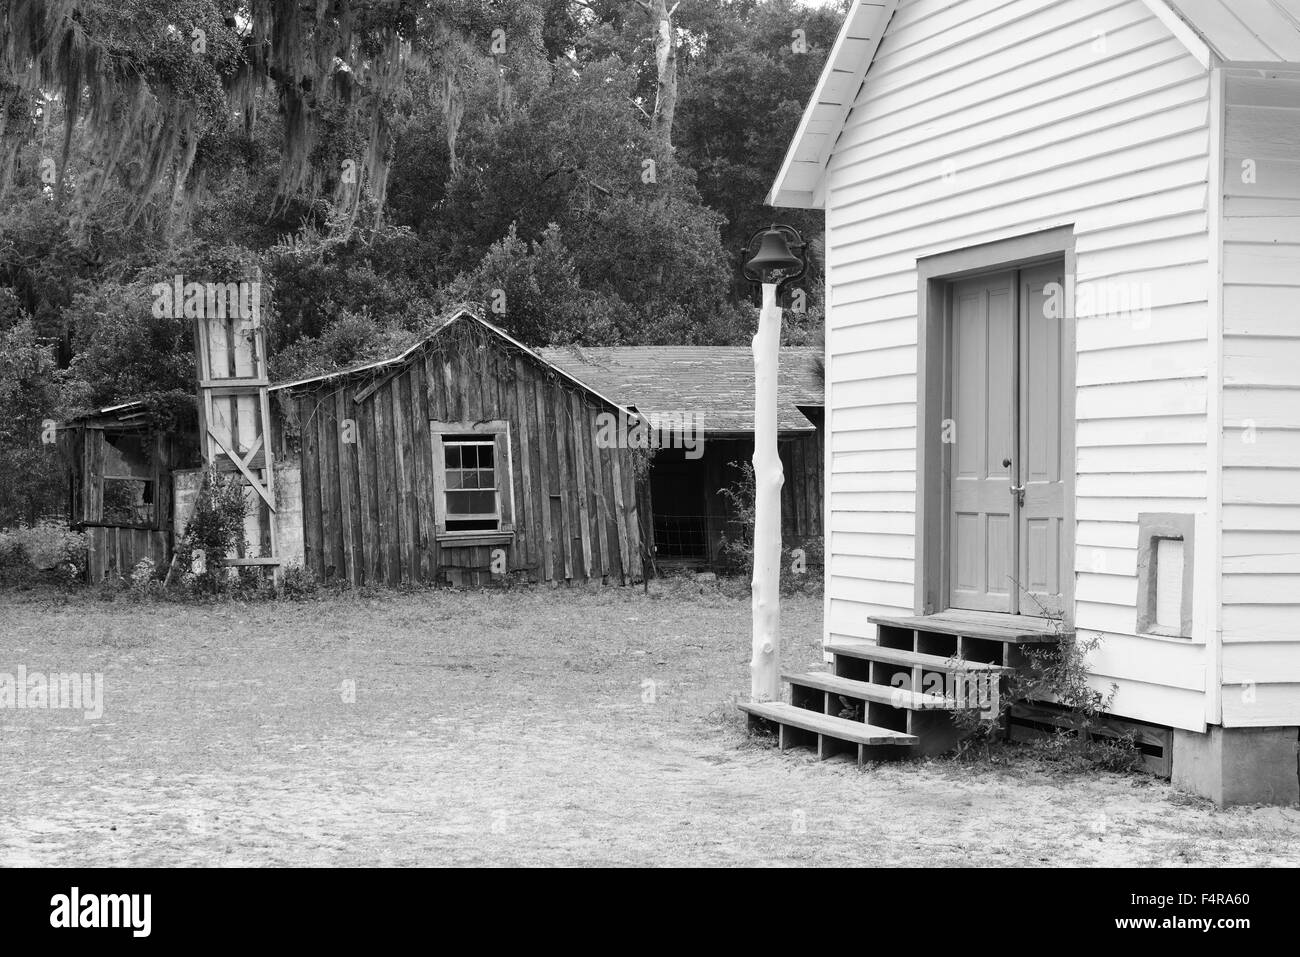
(370, 163)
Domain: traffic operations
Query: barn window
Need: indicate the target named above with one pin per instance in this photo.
(129, 481)
(474, 498)
(472, 503)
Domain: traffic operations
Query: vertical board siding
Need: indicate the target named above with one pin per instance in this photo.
(368, 505)
(348, 495)
(327, 431)
(308, 410)
(1261, 403)
(547, 483)
(982, 122)
(114, 551)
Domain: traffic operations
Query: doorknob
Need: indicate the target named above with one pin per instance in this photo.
(1006, 463)
(1019, 492)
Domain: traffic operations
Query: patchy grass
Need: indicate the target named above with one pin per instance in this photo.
(512, 727)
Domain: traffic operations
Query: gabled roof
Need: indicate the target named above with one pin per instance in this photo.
(1245, 31)
(384, 366)
(128, 409)
(1216, 32)
(128, 413)
(823, 119)
(713, 382)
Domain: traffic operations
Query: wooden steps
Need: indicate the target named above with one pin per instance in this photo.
(826, 734)
(895, 697)
(854, 731)
(898, 696)
(866, 651)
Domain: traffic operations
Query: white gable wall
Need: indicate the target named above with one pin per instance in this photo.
(981, 121)
(1261, 402)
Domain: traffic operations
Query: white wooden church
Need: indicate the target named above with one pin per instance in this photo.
(1063, 351)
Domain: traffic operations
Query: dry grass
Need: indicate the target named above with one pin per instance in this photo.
(508, 728)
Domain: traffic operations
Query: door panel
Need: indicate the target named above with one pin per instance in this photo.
(1044, 372)
(981, 537)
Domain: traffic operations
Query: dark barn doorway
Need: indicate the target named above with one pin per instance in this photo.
(679, 489)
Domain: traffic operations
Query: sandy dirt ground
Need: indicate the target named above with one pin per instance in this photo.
(497, 728)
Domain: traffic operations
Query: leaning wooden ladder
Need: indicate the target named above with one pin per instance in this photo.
(235, 422)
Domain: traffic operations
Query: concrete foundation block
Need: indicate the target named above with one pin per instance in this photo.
(1235, 766)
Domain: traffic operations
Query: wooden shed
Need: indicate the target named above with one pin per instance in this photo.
(467, 457)
(704, 398)
(1063, 269)
(120, 461)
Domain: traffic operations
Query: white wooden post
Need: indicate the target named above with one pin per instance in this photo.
(765, 667)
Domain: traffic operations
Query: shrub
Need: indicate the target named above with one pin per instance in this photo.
(298, 583)
(801, 564)
(216, 529)
(1059, 672)
(47, 550)
(144, 579)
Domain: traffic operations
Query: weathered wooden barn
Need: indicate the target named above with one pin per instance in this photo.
(120, 461)
(704, 396)
(1063, 354)
(467, 456)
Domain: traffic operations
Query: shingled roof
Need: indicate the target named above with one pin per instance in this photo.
(716, 382)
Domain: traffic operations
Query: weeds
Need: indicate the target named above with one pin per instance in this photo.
(801, 565)
(1057, 672)
(48, 552)
(215, 530)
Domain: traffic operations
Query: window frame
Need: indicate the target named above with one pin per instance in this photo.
(96, 473)
(1153, 528)
(502, 466)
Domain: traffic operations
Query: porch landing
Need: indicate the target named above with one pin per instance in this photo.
(1009, 629)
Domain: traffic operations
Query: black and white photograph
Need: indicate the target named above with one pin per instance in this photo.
(650, 434)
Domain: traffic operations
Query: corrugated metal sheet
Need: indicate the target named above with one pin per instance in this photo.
(714, 381)
(1256, 31)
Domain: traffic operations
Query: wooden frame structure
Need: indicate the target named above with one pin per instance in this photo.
(235, 421)
(115, 548)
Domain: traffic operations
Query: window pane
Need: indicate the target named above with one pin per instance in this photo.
(453, 478)
(468, 456)
(486, 478)
(485, 456)
(453, 456)
(470, 479)
(471, 503)
(128, 502)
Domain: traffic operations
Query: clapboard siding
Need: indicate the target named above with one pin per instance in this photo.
(981, 122)
(1261, 404)
(368, 504)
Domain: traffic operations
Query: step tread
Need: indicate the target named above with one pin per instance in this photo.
(1012, 629)
(867, 691)
(899, 656)
(840, 728)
